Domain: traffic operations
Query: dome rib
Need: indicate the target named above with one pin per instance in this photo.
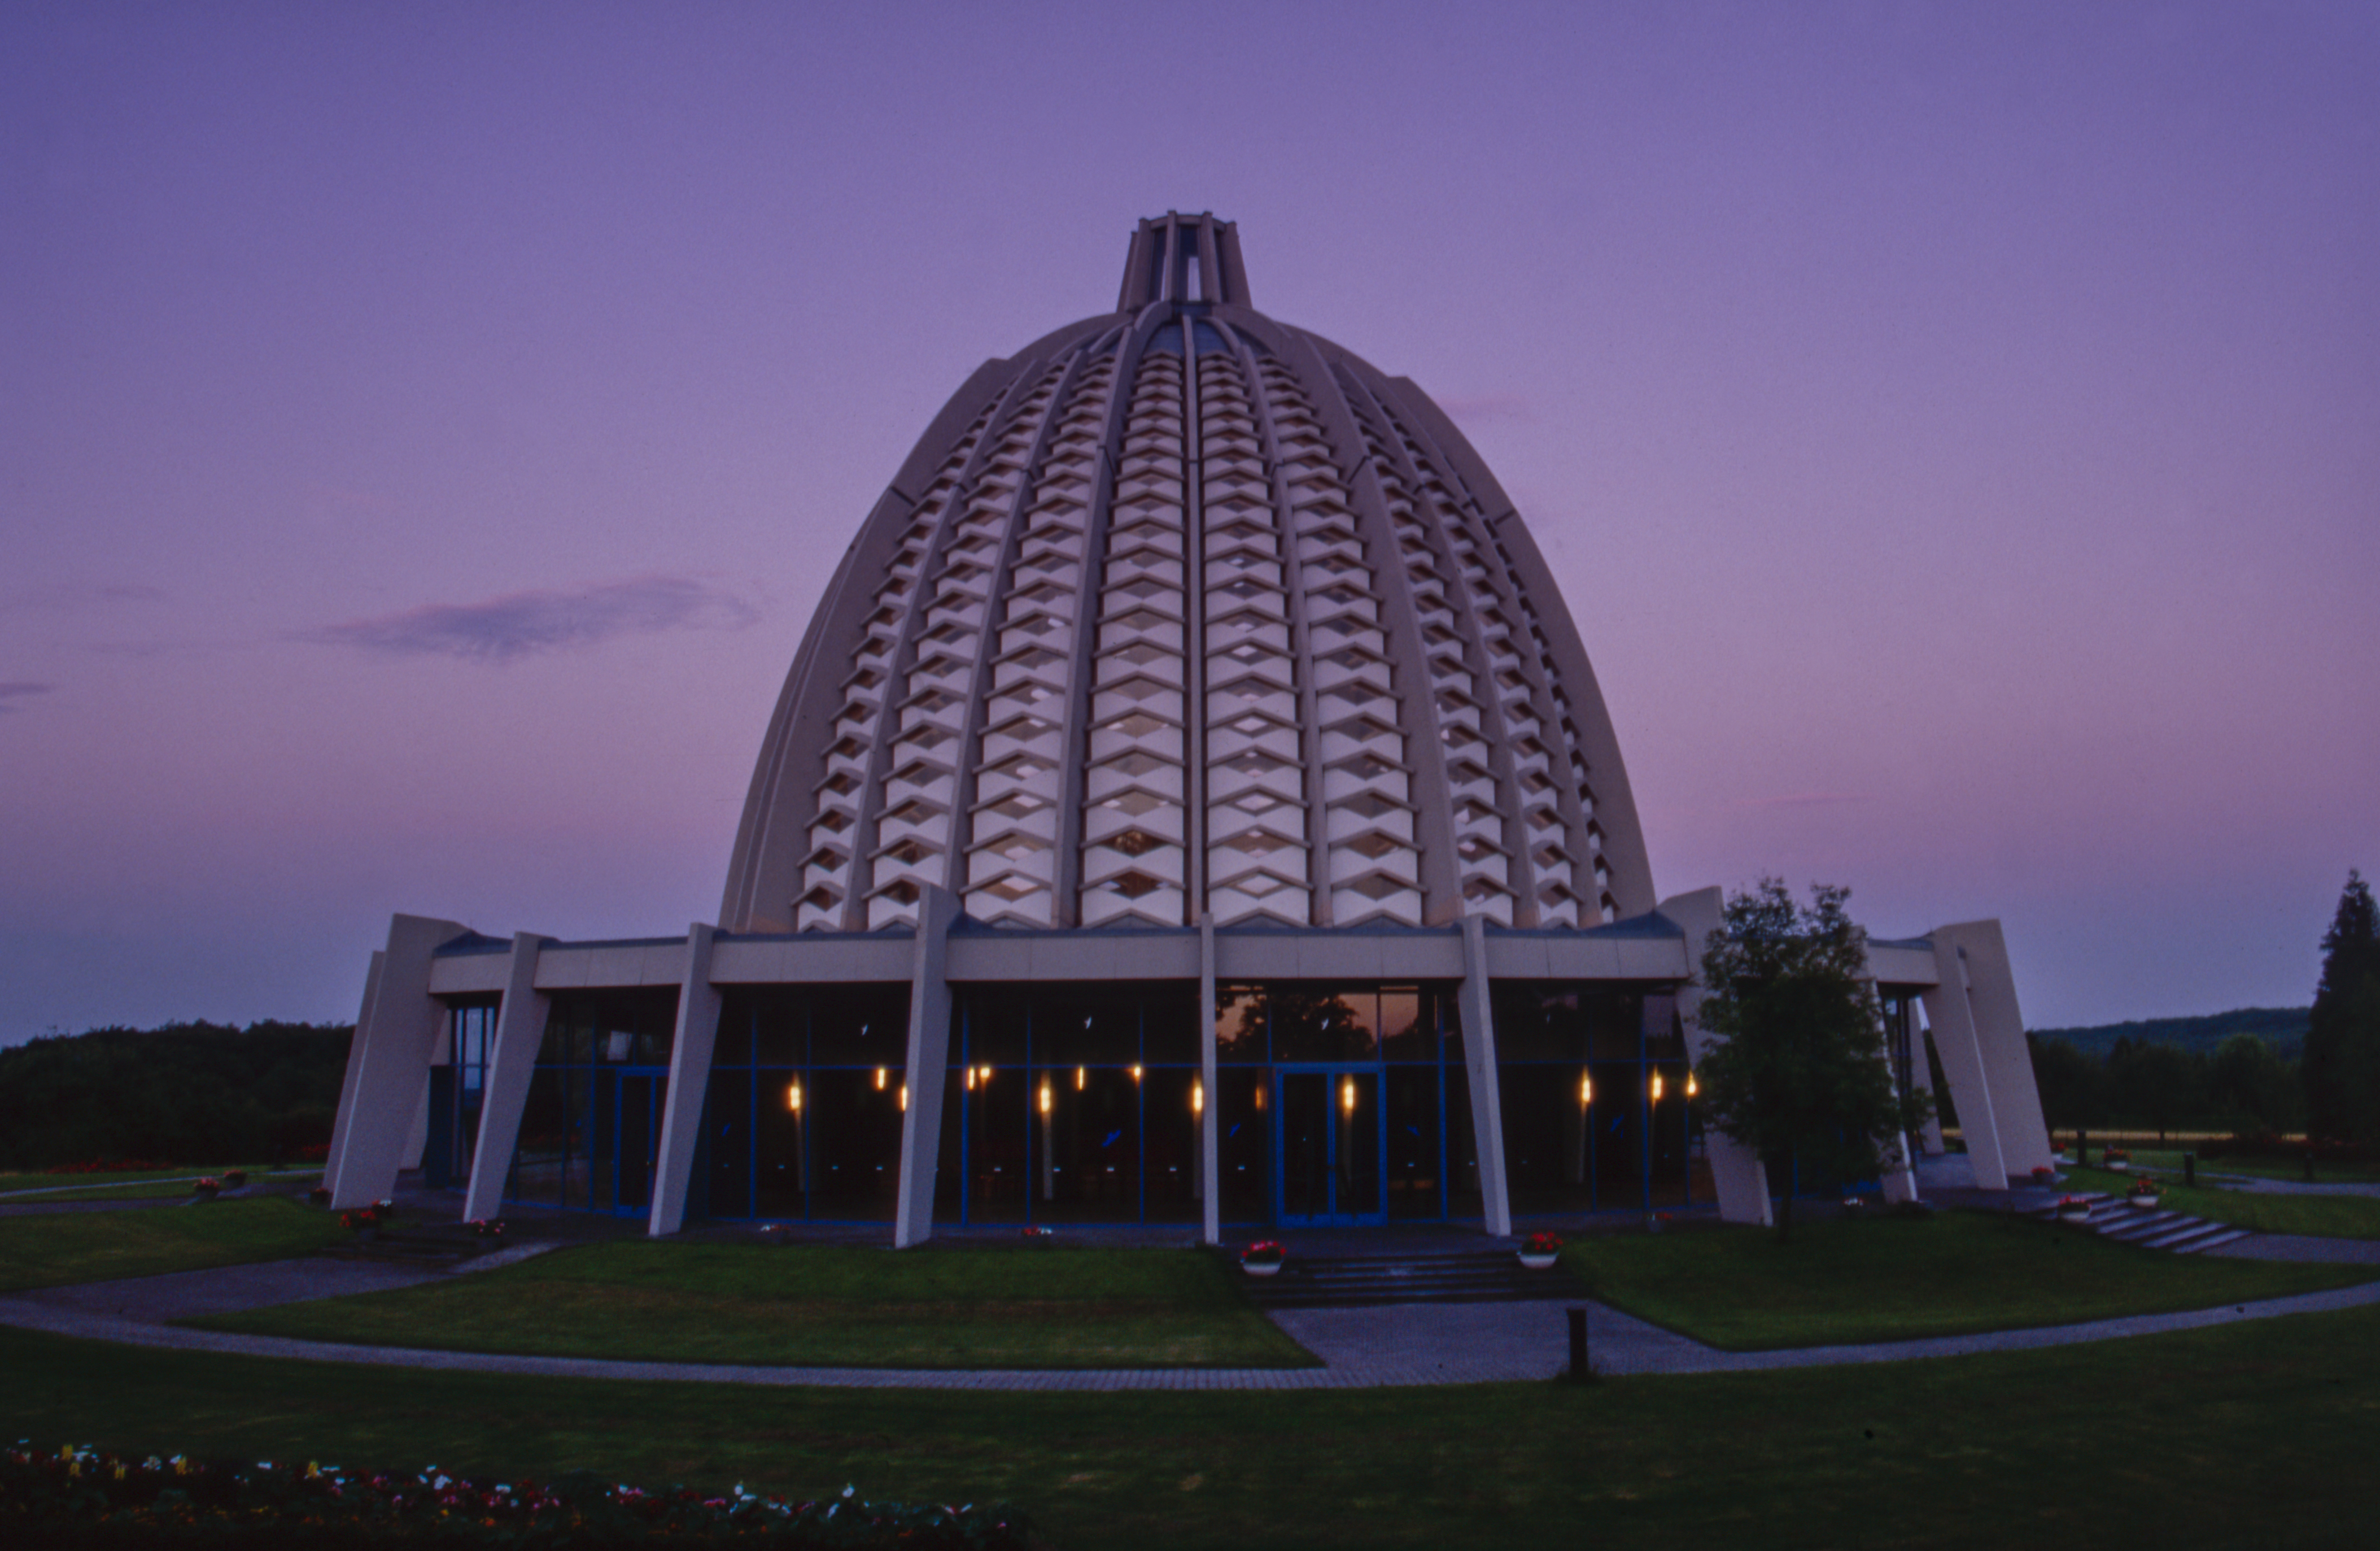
(1182, 609)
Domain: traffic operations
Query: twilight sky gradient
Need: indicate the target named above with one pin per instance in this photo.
(425, 429)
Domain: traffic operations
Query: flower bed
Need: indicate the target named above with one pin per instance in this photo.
(81, 1497)
(1263, 1258)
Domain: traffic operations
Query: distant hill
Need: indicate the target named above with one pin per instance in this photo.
(2282, 1027)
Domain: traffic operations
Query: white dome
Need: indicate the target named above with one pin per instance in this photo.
(1365, 701)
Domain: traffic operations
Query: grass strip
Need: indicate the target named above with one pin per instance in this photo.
(1894, 1278)
(2323, 1216)
(59, 1248)
(2259, 1435)
(976, 1308)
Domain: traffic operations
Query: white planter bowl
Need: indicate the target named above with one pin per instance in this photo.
(2122, 1166)
(2143, 1202)
(1260, 1269)
(1539, 1263)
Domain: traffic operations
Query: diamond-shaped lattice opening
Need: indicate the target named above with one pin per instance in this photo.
(1476, 889)
(906, 892)
(1142, 590)
(1256, 843)
(1012, 888)
(1016, 805)
(926, 736)
(1016, 847)
(842, 783)
(1471, 847)
(1140, 653)
(1257, 802)
(1136, 842)
(1139, 689)
(1366, 767)
(823, 898)
(1258, 886)
(1134, 885)
(1378, 885)
(1375, 845)
(912, 851)
(1255, 762)
(834, 821)
(1247, 652)
(1369, 804)
(1143, 619)
(1136, 803)
(1251, 726)
(1137, 761)
(1140, 724)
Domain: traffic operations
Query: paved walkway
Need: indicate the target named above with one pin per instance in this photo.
(1360, 1349)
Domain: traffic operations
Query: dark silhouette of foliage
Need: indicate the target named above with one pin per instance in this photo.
(1801, 1077)
(199, 1093)
(2342, 1046)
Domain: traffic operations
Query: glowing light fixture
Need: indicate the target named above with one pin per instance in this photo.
(1347, 1095)
(904, 1098)
(1657, 1087)
(970, 1080)
(1692, 1087)
(1078, 1080)
(1586, 1091)
(794, 1097)
(1135, 1074)
(1198, 1096)
(879, 1079)
(1045, 1095)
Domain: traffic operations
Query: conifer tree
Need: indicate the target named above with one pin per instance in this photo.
(2342, 1044)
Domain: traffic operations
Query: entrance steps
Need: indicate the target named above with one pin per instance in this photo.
(1357, 1281)
(2113, 1217)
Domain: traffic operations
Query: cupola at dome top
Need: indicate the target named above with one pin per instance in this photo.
(1182, 611)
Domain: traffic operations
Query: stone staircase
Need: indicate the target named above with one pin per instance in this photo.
(1357, 1281)
(2113, 1217)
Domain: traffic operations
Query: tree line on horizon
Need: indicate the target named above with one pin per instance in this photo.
(205, 1094)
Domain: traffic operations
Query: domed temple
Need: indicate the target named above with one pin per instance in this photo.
(1191, 802)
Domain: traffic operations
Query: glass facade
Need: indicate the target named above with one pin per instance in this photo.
(1085, 1104)
(591, 1130)
(458, 1076)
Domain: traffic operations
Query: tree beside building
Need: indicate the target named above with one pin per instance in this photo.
(2342, 1046)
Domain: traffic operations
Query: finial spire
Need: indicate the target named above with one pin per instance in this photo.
(1183, 258)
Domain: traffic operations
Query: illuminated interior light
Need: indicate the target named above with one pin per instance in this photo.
(1135, 1074)
(970, 1080)
(1078, 1080)
(879, 1079)
(904, 1098)
(1045, 1095)
(1585, 1092)
(1347, 1096)
(1692, 1087)
(1657, 1087)
(794, 1097)
(1197, 1097)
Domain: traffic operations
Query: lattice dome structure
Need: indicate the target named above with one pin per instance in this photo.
(1183, 610)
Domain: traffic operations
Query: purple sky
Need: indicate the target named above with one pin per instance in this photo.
(424, 431)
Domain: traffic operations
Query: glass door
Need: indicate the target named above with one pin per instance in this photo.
(1329, 1136)
(639, 1134)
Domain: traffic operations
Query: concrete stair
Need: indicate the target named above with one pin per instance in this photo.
(1357, 1281)
(2113, 1217)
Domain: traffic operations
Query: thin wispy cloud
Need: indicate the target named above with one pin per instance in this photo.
(82, 594)
(516, 625)
(15, 689)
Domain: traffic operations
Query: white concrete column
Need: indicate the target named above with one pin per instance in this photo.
(1994, 1029)
(390, 1059)
(1479, 1061)
(512, 1062)
(929, 1056)
(1949, 1007)
(691, 1043)
(1210, 1150)
(355, 1070)
(1737, 1172)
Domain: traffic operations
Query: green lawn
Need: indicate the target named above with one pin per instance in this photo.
(53, 1249)
(977, 1307)
(1894, 1278)
(2327, 1216)
(2256, 1435)
(23, 1190)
